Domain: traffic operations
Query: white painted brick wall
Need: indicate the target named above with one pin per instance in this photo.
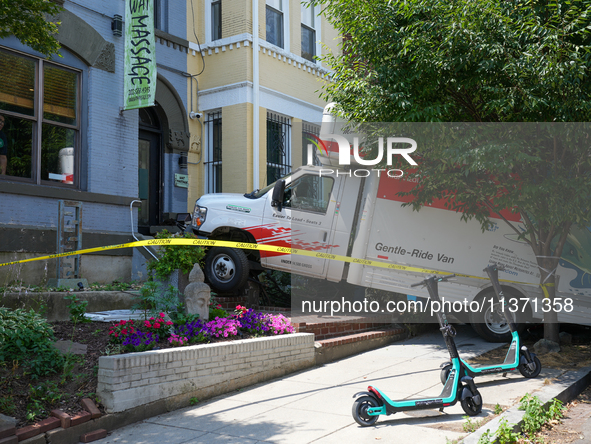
(130, 380)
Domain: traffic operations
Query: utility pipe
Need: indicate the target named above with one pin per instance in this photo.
(255, 94)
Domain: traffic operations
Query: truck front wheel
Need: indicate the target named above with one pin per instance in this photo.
(226, 269)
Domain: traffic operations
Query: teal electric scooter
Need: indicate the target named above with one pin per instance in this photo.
(517, 358)
(369, 405)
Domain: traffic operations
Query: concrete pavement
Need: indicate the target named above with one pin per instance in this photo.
(315, 405)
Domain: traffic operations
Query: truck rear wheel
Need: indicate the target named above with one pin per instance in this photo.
(226, 268)
(490, 323)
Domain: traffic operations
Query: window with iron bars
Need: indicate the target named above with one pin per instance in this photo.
(213, 163)
(278, 147)
(310, 133)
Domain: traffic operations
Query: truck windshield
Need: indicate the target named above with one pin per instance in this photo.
(259, 193)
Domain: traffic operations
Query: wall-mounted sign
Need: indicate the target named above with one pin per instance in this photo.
(181, 180)
(140, 55)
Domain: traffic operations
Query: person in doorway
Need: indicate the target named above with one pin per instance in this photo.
(3, 147)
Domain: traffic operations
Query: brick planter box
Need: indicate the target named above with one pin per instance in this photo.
(176, 375)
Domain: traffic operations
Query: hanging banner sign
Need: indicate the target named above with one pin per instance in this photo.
(140, 55)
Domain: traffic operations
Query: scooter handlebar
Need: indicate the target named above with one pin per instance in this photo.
(499, 267)
(438, 278)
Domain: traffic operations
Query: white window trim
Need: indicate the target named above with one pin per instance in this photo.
(318, 29)
(207, 21)
(286, 39)
(207, 25)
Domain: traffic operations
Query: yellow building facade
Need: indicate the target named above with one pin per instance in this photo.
(253, 97)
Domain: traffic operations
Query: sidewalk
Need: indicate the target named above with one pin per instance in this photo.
(315, 405)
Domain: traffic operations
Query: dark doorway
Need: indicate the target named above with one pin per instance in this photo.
(149, 170)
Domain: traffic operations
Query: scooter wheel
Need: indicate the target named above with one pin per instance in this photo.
(445, 370)
(527, 372)
(359, 411)
(470, 406)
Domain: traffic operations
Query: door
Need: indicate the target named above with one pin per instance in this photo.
(149, 180)
(304, 222)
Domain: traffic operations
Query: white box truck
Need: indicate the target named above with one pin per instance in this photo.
(352, 213)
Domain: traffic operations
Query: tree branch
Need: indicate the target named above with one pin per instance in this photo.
(530, 227)
(493, 209)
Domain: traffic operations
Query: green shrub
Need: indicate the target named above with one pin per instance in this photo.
(7, 405)
(215, 310)
(172, 257)
(181, 317)
(536, 415)
(28, 338)
(277, 287)
(46, 392)
(77, 309)
(154, 299)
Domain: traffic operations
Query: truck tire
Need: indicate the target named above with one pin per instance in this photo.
(226, 268)
(491, 325)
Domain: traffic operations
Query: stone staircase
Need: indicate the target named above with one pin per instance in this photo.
(335, 337)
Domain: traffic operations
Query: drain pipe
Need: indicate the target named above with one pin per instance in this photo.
(255, 94)
(132, 233)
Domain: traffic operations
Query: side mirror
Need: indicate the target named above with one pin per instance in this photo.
(278, 191)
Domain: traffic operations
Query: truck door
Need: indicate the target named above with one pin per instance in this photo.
(304, 222)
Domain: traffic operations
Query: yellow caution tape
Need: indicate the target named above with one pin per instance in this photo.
(260, 247)
(545, 290)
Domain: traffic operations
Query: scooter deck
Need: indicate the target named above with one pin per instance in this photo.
(510, 363)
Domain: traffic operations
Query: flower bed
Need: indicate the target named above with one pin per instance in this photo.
(157, 332)
(188, 371)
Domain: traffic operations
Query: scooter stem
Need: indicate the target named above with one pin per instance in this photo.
(493, 274)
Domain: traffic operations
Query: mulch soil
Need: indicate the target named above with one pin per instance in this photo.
(16, 384)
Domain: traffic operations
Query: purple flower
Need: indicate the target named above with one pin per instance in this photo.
(140, 340)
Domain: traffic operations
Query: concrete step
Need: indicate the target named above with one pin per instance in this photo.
(382, 332)
(339, 328)
(332, 349)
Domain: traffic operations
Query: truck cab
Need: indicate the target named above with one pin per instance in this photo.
(303, 210)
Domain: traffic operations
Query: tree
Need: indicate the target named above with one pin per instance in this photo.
(28, 21)
(481, 61)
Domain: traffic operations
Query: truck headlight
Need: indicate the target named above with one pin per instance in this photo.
(199, 215)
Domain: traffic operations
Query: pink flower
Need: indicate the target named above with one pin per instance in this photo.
(156, 325)
(147, 324)
(162, 315)
(124, 331)
(122, 323)
(169, 322)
